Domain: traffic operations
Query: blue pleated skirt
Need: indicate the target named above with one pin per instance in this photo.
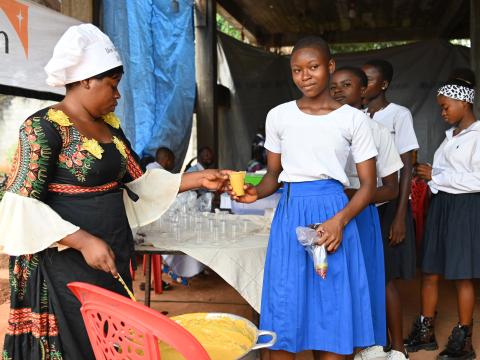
(306, 311)
(368, 224)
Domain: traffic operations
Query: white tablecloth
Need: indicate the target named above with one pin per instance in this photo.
(240, 263)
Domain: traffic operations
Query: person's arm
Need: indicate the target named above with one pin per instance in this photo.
(388, 191)
(398, 228)
(331, 231)
(210, 179)
(96, 252)
(267, 186)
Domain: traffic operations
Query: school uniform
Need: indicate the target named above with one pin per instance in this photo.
(306, 311)
(400, 260)
(388, 162)
(451, 246)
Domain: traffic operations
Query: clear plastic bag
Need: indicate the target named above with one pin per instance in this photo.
(307, 237)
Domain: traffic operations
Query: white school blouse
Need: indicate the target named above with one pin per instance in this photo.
(388, 159)
(398, 120)
(315, 147)
(456, 163)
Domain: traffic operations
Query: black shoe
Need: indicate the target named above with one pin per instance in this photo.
(459, 346)
(422, 336)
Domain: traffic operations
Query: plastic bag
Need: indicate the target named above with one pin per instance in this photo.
(307, 237)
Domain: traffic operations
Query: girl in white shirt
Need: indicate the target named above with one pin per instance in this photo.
(348, 86)
(395, 216)
(308, 142)
(451, 246)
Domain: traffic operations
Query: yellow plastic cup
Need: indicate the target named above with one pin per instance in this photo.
(237, 180)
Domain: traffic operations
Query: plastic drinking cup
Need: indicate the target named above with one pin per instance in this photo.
(237, 180)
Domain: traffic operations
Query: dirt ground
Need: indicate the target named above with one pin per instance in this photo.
(4, 289)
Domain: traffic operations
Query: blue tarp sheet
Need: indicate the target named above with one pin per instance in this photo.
(156, 44)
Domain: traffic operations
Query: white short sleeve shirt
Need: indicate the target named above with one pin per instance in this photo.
(315, 147)
(388, 159)
(456, 163)
(398, 120)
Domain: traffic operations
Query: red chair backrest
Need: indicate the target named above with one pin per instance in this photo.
(121, 329)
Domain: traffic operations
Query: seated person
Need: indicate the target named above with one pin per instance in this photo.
(205, 160)
(164, 159)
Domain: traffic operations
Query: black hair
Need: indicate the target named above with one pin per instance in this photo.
(462, 77)
(313, 42)
(356, 72)
(165, 150)
(384, 67)
(109, 73)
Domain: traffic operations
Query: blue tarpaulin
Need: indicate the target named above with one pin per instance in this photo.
(155, 39)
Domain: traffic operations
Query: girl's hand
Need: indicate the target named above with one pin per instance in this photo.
(397, 231)
(250, 196)
(213, 179)
(424, 171)
(98, 254)
(331, 234)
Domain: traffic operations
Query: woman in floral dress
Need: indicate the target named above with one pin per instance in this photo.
(74, 190)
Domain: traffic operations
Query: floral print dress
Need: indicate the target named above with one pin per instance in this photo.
(81, 180)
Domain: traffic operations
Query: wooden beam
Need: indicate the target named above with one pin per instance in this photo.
(243, 18)
(362, 35)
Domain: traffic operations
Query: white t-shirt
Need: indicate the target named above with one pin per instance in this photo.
(154, 165)
(398, 120)
(315, 147)
(388, 159)
(456, 163)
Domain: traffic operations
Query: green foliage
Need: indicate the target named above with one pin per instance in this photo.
(358, 47)
(224, 26)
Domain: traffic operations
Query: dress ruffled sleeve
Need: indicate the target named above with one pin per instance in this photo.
(27, 224)
(157, 190)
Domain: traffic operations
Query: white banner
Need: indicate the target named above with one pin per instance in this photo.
(28, 33)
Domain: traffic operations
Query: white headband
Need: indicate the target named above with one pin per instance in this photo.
(457, 92)
(83, 51)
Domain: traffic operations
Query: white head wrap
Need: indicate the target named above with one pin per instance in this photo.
(457, 92)
(83, 51)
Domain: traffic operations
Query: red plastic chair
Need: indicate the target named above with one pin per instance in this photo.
(120, 329)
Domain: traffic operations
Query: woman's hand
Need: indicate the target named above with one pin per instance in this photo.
(424, 171)
(99, 255)
(95, 251)
(250, 196)
(213, 179)
(330, 234)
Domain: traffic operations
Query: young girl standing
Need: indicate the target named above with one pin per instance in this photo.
(451, 247)
(395, 216)
(348, 86)
(308, 142)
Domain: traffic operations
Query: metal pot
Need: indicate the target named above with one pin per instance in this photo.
(252, 353)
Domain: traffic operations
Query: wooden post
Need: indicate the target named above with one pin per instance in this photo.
(206, 73)
(475, 48)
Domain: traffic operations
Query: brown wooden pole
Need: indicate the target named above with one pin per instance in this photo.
(206, 73)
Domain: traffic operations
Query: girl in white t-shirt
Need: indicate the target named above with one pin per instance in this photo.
(451, 246)
(308, 143)
(395, 216)
(347, 86)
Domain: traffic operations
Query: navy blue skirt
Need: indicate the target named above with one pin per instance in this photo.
(306, 311)
(371, 240)
(451, 245)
